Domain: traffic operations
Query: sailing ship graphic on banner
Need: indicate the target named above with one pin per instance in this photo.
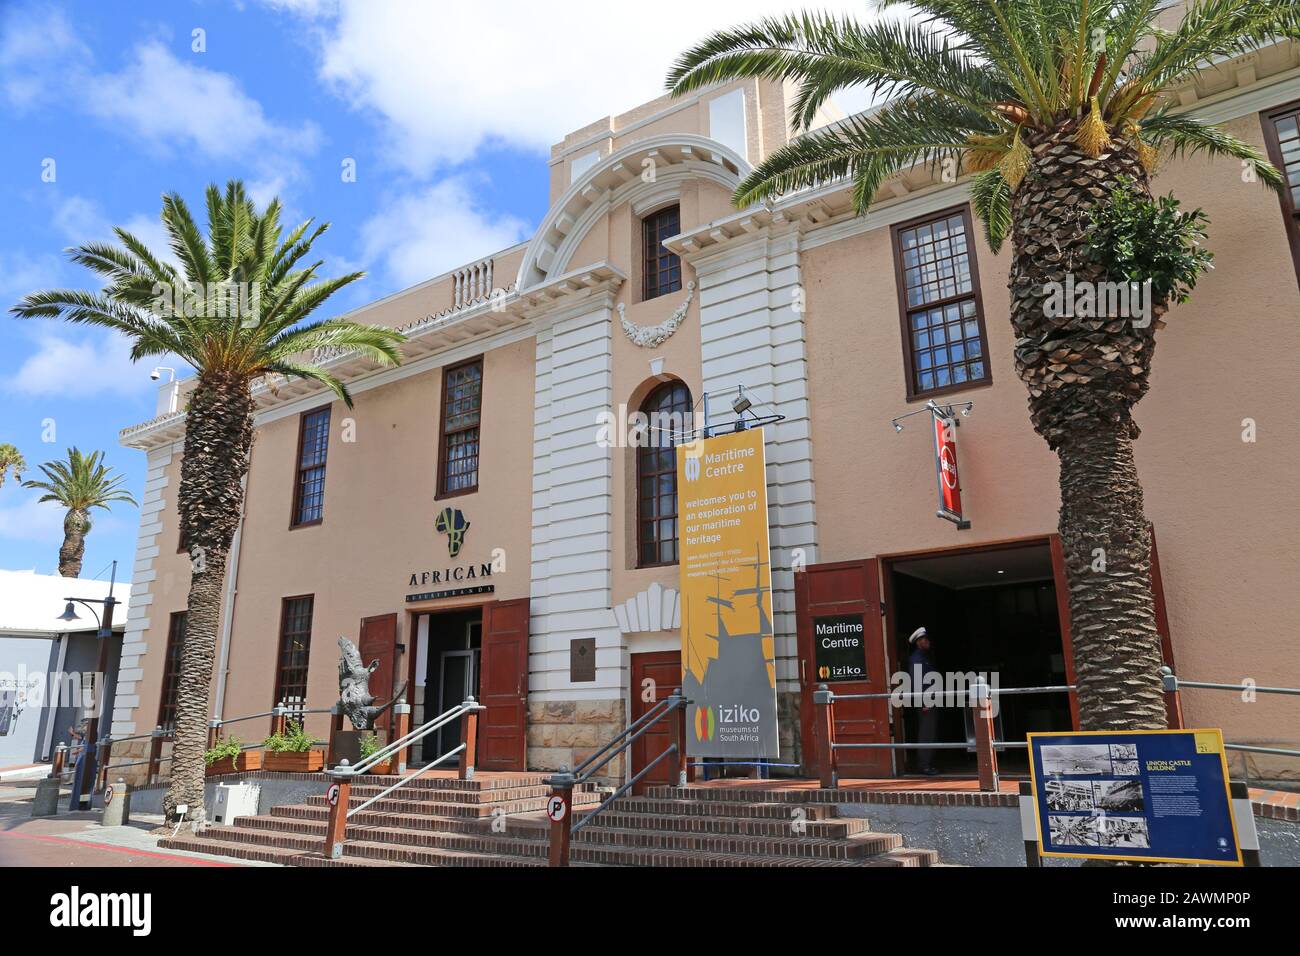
(728, 647)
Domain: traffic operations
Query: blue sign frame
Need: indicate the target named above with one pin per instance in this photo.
(1159, 796)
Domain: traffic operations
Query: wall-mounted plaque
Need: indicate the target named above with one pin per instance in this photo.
(582, 659)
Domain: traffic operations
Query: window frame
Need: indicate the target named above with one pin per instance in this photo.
(644, 408)
(441, 491)
(653, 252)
(298, 469)
(278, 692)
(1273, 146)
(171, 655)
(900, 284)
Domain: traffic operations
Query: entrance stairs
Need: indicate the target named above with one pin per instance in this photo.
(498, 819)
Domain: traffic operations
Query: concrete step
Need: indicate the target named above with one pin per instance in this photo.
(410, 821)
(738, 808)
(829, 829)
(856, 847)
(260, 854)
(403, 802)
(306, 835)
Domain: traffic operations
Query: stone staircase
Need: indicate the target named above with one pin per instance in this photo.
(499, 820)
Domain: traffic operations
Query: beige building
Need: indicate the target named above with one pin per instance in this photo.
(471, 525)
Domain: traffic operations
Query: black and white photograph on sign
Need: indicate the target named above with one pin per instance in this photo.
(1076, 759)
(1074, 831)
(1123, 751)
(1124, 768)
(1123, 832)
(1123, 796)
(1069, 795)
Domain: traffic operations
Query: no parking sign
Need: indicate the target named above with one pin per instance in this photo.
(556, 808)
(332, 795)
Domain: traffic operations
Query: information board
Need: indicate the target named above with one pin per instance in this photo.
(1154, 795)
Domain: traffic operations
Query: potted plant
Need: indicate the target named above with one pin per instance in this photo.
(371, 744)
(228, 755)
(292, 751)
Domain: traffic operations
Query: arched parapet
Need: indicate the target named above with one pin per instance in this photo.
(620, 178)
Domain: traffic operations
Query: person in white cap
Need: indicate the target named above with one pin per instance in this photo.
(918, 665)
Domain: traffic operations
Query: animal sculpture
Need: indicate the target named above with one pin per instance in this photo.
(354, 688)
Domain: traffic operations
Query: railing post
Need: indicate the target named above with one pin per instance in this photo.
(982, 702)
(60, 756)
(677, 723)
(559, 808)
(1173, 699)
(402, 727)
(824, 734)
(105, 749)
(214, 731)
(336, 826)
(277, 718)
(155, 755)
(1247, 836)
(1028, 824)
(468, 737)
(336, 727)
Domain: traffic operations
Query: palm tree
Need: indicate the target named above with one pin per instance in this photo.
(79, 484)
(1052, 105)
(11, 459)
(234, 310)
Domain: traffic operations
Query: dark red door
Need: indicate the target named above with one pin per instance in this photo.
(379, 643)
(845, 588)
(503, 686)
(655, 676)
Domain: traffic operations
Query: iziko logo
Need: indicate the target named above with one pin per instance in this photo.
(705, 725)
(76, 909)
(453, 524)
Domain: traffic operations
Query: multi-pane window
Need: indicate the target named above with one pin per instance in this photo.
(171, 673)
(1282, 132)
(462, 403)
(663, 269)
(668, 409)
(295, 644)
(309, 488)
(944, 345)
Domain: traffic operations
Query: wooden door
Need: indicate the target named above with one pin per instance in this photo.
(664, 668)
(503, 686)
(832, 590)
(378, 642)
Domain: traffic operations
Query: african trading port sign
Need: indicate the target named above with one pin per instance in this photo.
(1157, 795)
(728, 652)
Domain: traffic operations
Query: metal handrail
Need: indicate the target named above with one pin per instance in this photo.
(1172, 684)
(581, 775)
(636, 778)
(404, 780)
(419, 733)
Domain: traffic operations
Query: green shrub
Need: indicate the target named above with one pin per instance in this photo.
(1139, 238)
(369, 745)
(224, 747)
(294, 740)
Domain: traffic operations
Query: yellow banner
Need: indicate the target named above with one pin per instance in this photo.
(728, 650)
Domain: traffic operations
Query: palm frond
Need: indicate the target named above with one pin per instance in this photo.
(1183, 135)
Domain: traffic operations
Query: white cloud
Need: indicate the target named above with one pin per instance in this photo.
(172, 105)
(21, 274)
(90, 365)
(425, 233)
(448, 78)
(39, 52)
(28, 520)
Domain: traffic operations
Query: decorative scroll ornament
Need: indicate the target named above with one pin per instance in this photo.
(652, 336)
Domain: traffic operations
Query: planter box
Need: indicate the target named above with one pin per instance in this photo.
(306, 761)
(347, 746)
(248, 760)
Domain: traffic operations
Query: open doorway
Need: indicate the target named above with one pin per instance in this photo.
(445, 671)
(990, 611)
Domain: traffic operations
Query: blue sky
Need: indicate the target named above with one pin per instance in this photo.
(447, 111)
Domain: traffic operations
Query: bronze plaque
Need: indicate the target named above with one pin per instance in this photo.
(582, 659)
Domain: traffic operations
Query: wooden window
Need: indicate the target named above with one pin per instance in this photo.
(462, 404)
(668, 409)
(1282, 136)
(171, 673)
(295, 646)
(663, 269)
(309, 484)
(944, 344)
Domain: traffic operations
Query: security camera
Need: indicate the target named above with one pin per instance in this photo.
(155, 375)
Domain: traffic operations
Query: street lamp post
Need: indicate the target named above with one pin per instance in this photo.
(89, 768)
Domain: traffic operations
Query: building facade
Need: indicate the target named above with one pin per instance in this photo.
(480, 521)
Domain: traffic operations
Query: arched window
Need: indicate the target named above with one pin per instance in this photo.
(668, 409)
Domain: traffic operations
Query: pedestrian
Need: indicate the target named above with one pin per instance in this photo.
(919, 664)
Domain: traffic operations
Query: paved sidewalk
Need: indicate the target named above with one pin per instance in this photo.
(78, 839)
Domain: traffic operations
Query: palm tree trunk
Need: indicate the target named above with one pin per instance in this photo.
(218, 436)
(1107, 545)
(1084, 375)
(75, 524)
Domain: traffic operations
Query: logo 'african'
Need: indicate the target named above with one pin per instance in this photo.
(453, 524)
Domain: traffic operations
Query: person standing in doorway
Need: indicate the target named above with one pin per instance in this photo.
(919, 664)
